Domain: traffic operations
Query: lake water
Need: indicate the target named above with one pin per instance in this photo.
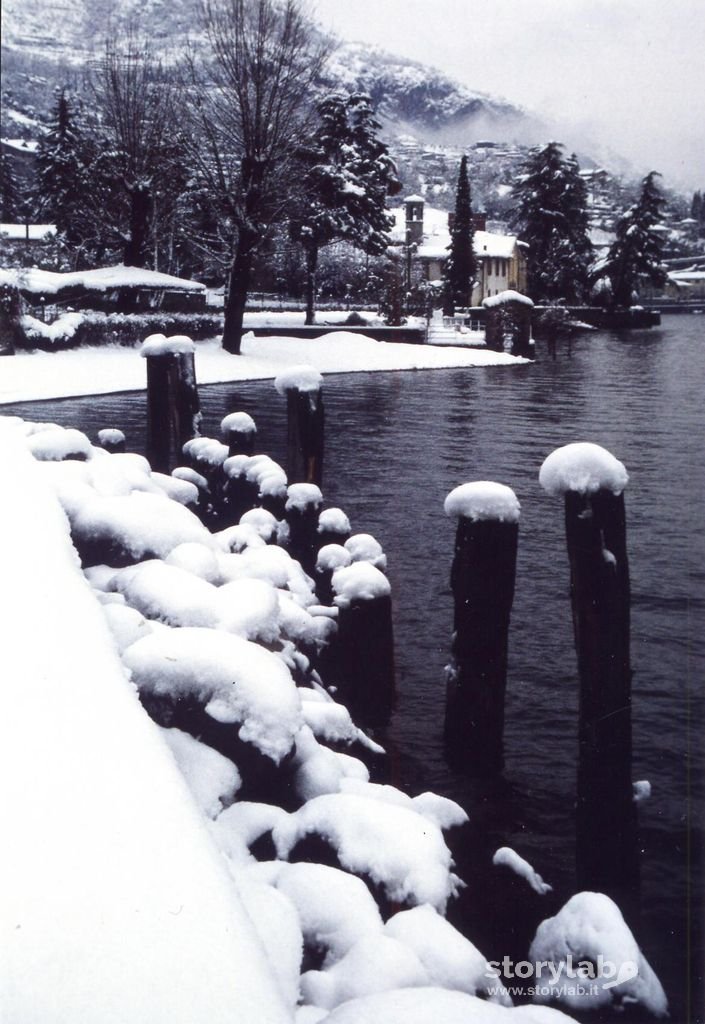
(396, 444)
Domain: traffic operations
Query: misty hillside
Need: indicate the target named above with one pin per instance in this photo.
(45, 43)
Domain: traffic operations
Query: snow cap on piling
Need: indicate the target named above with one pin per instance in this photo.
(110, 435)
(359, 582)
(333, 520)
(298, 378)
(584, 468)
(206, 449)
(332, 557)
(240, 422)
(483, 500)
(302, 496)
(160, 345)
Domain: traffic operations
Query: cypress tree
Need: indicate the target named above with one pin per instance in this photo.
(461, 265)
(550, 212)
(10, 201)
(637, 250)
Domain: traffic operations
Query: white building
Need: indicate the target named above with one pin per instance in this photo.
(425, 232)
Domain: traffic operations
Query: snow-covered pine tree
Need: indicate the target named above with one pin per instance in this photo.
(62, 175)
(347, 176)
(550, 213)
(10, 200)
(461, 265)
(637, 250)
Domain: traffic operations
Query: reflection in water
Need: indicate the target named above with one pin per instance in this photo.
(396, 445)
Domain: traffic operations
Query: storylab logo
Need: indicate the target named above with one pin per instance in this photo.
(581, 977)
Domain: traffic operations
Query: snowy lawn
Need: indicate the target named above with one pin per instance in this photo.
(98, 371)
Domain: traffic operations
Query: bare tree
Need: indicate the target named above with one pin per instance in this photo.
(250, 106)
(136, 105)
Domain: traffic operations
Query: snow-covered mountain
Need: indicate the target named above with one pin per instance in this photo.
(50, 39)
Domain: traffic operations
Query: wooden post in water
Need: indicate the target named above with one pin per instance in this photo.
(303, 504)
(330, 558)
(333, 527)
(360, 660)
(239, 432)
(592, 482)
(302, 386)
(111, 440)
(482, 580)
(173, 408)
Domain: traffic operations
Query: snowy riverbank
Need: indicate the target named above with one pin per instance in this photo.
(98, 371)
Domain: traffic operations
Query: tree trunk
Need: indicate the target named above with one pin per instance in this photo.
(311, 264)
(237, 291)
(135, 249)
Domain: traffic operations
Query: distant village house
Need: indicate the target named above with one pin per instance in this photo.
(424, 233)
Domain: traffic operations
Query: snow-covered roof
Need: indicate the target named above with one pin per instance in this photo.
(414, 199)
(682, 276)
(32, 231)
(24, 145)
(102, 279)
(436, 236)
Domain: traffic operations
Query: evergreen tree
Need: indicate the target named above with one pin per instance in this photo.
(9, 192)
(461, 265)
(62, 176)
(347, 177)
(637, 250)
(550, 212)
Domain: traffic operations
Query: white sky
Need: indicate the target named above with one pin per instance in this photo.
(629, 73)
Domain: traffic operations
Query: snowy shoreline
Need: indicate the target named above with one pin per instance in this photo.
(82, 372)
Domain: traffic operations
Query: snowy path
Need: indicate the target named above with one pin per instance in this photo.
(116, 905)
(98, 371)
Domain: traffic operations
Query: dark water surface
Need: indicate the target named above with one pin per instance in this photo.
(396, 444)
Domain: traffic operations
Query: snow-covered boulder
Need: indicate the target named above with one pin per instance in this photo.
(591, 931)
(235, 681)
(398, 849)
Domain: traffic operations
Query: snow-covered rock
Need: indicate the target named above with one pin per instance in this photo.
(234, 680)
(508, 858)
(397, 848)
(421, 1005)
(450, 960)
(212, 778)
(590, 930)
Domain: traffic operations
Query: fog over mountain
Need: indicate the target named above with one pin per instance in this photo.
(430, 91)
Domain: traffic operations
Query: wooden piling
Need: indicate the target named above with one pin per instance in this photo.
(592, 482)
(239, 432)
(333, 527)
(173, 408)
(360, 660)
(482, 580)
(111, 440)
(305, 423)
(301, 511)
